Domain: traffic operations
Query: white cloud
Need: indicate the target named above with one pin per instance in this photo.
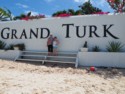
(22, 5)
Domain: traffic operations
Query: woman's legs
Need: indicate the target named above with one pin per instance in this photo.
(55, 53)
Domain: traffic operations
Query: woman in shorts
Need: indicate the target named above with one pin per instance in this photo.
(55, 46)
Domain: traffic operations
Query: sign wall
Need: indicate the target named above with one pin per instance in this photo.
(72, 32)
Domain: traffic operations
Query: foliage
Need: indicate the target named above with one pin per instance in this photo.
(9, 14)
(21, 46)
(58, 13)
(95, 49)
(2, 44)
(87, 8)
(36, 17)
(85, 44)
(19, 17)
(114, 46)
(71, 11)
(78, 12)
(5, 14)
(117, 5)
(28, 16)
(22, 16)
(10, 47)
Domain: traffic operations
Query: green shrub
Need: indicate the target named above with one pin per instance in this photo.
(114, 46)
(85, 44)
(10, 47)
(21, 46)
(95, 49)
(2, 45)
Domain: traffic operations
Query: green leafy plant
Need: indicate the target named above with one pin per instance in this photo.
(5, 14)
(85, 44)
(21, 46)
(10, 47)
(114, 46)
(95, 49)
(2, 44)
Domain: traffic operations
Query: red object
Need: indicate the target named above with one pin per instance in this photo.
(112, 1)
(26, 18)
(92, 68)
(64, 15)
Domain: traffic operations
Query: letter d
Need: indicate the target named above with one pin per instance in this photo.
(43, 31)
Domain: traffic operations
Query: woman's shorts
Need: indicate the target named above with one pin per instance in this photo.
(55, 47)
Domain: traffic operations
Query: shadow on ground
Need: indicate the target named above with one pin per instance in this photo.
(101, 71)
(51, 64)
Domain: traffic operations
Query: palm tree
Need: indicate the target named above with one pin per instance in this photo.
(9, 14)
(5, 15)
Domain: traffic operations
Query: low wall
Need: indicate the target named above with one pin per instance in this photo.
(9, 54)
(102, 59)
(98, 59)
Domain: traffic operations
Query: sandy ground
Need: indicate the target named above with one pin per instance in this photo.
(25, 78)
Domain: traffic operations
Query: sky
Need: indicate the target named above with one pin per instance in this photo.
(48, 7)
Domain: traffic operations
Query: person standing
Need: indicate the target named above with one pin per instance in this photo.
(50, 45)
(55, 46)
